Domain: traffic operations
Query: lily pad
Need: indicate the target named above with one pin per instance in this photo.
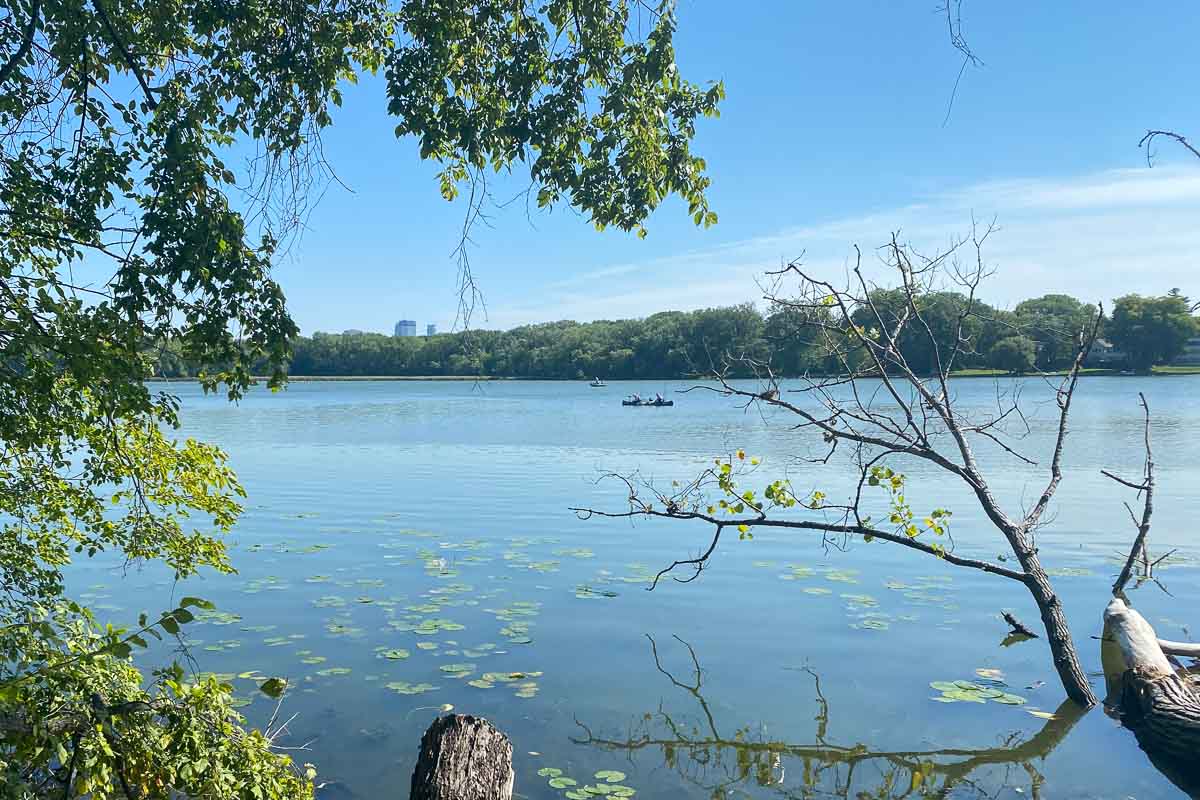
(404, 687)
(562, 783)
(549, 772)
(610, 775)
(395, 654)
(333, 671)
(1010, 699)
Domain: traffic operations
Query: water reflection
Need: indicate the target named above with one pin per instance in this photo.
(724, 763)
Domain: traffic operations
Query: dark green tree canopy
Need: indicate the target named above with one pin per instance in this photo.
(1015, 354)
(1151, 330)
(1054, 322)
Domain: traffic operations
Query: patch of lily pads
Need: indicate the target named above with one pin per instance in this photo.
(608, 784)
(971, 692)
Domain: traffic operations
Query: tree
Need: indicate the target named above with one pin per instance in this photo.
(1015, 354)
(124, 235)
(946, 314)
(1054, 322)
(878, 412)
(1151, 330)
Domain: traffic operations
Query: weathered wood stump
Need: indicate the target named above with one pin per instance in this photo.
(1161, 705)
(463, 758)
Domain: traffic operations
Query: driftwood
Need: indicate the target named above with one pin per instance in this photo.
(1160, 703)
(463, 758)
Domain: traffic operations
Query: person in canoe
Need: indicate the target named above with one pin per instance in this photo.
(658, 399)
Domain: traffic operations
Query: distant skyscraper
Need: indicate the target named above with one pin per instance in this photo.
(406, 327)
(430, 329)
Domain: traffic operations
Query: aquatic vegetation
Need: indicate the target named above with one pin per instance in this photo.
(403, 687)
(574, 552)
(457, 670)
(585, 592)
(333, 671)
(215, 617)
(969, 692)
(343, 628)
(394, 653)
(871, 624)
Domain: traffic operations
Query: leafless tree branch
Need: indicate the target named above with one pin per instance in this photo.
(1148, 140)
(1146, 487)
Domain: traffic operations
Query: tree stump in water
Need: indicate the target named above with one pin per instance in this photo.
(463, 758)
(1161, 705)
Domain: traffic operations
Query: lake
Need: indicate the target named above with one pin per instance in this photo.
(408, 544)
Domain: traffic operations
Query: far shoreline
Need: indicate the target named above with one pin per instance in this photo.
(1158, 372)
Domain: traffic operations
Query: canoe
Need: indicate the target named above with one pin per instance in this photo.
(650, 403)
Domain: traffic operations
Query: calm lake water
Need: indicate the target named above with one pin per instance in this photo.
(402, 540)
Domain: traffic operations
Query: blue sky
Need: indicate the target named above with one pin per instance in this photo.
(832, 134)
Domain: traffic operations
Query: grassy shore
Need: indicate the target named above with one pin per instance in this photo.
(1094, 371)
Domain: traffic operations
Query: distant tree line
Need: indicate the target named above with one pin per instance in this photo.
(1038, 334)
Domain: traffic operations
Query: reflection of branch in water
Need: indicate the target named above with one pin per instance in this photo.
(698, 752)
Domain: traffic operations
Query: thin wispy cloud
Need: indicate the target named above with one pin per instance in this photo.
(1094, 236)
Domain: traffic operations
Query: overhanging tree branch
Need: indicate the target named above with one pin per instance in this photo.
(126, 55)
(35, 11)
(1150, 136)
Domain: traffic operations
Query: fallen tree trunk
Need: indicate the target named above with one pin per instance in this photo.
(1188, 649)
(1158, 703)
(463, 758)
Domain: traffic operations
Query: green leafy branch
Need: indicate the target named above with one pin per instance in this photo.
(717, 497)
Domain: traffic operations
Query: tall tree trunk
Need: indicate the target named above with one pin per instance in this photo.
(1062, 647)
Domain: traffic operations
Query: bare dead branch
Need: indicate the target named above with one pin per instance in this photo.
(1064, 394)
(881, 407)
(1150, 136)
(1143, 528)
